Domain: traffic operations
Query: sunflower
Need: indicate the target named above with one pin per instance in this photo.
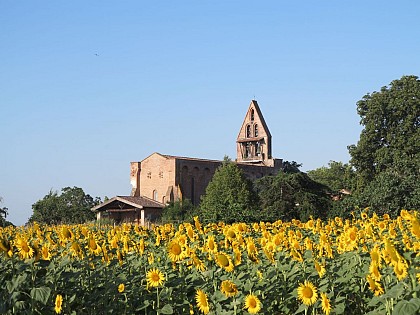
(141, 246)
(400, 269)
(269, 250)
(211, 245)
(230, 233)
(224, 261)
(58, 303)
(175, 251)
(252, 304)
(375, 255)
(45, 252)
(199, 265)
(197, 224)
(121, 288)
(374, 271)
(320, 269)
(415, 228)
(190, 233)
(228, 288)
(374, 286)
(76, 250)
(202, 301)
(154, 278)
(25, 251)
(325, 303)
(252, 250)
(237, 256)
(307, 293)
(65, 233)
(93, 246)
(6, 246)
(296, 255)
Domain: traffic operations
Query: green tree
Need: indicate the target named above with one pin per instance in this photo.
(181, 210)
(229, 197)
(336, 176)
(387, 155)
(3, 214)
(293, 195)
(72, 206)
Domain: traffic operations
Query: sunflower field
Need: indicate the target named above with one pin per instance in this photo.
(366, 265)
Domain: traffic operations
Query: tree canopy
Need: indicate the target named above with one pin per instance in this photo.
(3, 214)
(390, 139)
(387, 155)
(181, 210)
(72, 206)
(293, 195)
(229, 196)
(336, 176)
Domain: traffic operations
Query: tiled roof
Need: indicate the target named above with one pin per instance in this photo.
(189, 158)
(143, 201)
(124, 202)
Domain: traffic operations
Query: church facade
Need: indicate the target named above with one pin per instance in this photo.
(160, 178)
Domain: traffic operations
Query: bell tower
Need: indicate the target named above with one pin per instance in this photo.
(253, 144)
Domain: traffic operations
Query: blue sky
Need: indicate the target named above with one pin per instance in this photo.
(88, 86)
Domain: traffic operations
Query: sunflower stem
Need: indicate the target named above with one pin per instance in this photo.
(157, 297)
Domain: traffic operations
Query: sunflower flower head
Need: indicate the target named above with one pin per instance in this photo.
(252, 304)
(224, 261)
(175, 251)
(58, 303)
(154, 278)
(325, 304)
(202, 301)
(228, 288)
(307, 293)
(320, 269)
(25, 250)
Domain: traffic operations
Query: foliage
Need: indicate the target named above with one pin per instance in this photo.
(336, 176)
(388, 151)
(291, 167)
(229, 196)
(365, 265)
(71, 206)
(388, 191)
(3, 214)
(178, 211)
(293, 195)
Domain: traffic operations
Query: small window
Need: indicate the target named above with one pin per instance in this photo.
(155, 195)
(160, 174)
(258, 149)
(149, 175)
(248, 150)
(252, 115)
(248, 131)
(256, 131)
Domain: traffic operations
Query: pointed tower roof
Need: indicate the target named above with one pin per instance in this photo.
(253, 144)
(254, 105)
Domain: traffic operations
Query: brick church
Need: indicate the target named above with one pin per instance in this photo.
(160, 178)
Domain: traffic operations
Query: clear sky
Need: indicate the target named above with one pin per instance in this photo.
(88, 86)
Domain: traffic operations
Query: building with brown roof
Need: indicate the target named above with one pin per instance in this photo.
(165, 178)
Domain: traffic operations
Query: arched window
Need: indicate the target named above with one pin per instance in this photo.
(258, 149)
(252, 115)
(248, 131)
(248, 150)
(256, 130)
(155, 195)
